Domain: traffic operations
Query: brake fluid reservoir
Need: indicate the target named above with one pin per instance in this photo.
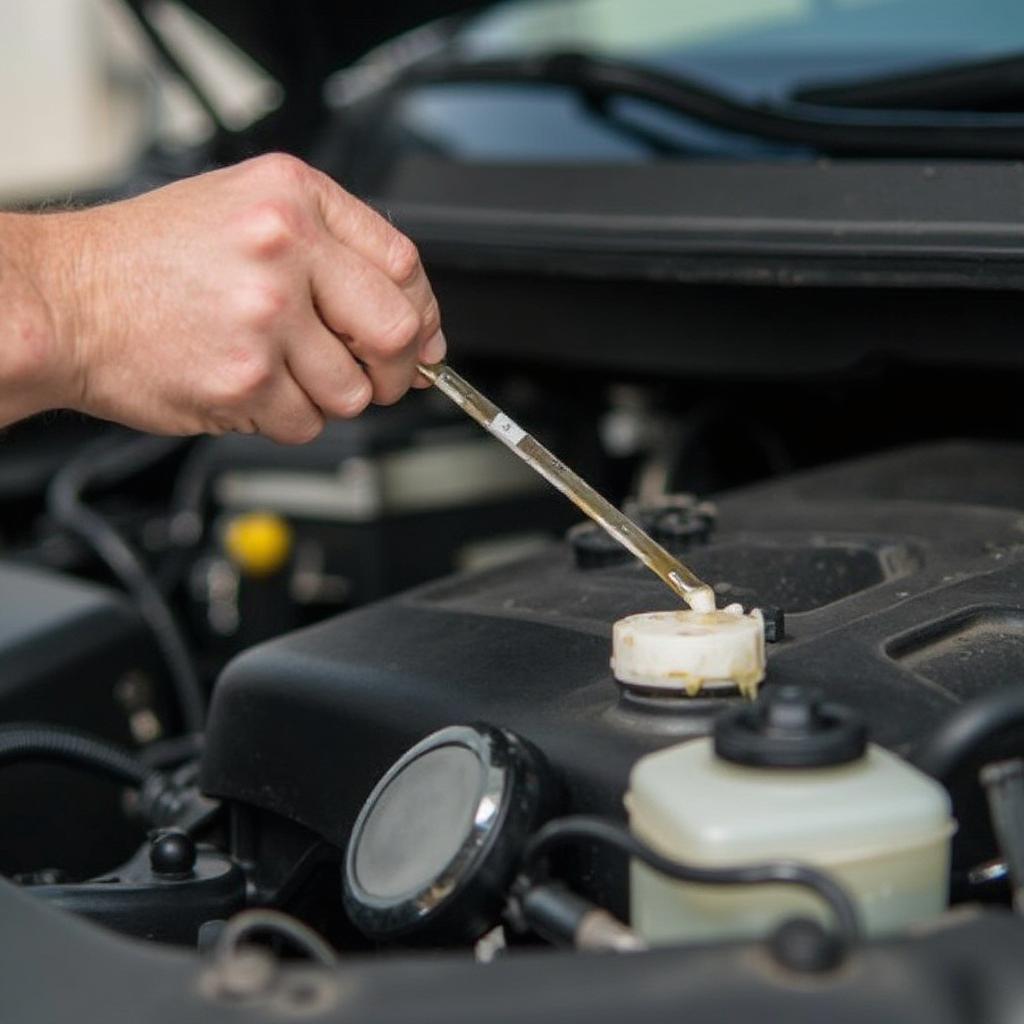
(787, 777)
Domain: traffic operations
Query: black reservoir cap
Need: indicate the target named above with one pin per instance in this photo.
(790, 727)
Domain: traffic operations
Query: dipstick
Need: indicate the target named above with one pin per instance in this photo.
(681, 580)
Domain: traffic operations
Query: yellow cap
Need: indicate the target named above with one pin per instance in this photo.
(259, 543)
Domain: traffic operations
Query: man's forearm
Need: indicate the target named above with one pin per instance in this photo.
(34, 373)
(256, 298)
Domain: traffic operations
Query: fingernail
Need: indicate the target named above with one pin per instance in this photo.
(435, 349)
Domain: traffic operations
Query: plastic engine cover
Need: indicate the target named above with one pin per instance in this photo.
(901, 578)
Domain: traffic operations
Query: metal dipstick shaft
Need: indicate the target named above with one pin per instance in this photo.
(681, 580)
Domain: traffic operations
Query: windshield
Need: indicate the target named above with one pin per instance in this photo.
(758, 51)
(758, 48)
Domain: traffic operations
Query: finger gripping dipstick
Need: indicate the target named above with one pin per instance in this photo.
(680, 579)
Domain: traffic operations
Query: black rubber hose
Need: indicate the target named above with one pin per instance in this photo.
(98, 465)
(186, 518)
(582, 828)
(28, 741)
(968, 729)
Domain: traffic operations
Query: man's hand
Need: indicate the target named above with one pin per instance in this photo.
(261, 297)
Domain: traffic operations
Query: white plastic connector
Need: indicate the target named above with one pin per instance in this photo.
(689, 651)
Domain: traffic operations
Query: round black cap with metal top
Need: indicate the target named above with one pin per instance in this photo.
(434, 849)
(790, 727)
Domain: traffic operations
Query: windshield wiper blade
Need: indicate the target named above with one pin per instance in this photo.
(970, 85)
(837, 132)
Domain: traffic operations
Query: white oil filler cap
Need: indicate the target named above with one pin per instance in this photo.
(690, 651)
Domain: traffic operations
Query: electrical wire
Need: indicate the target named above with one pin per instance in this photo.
(28, 741)
(172, 752)
(186, 521)
(99, 465)
(577, 829)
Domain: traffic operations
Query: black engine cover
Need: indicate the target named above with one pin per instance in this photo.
(902, 578)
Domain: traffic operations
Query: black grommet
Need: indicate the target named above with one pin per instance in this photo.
(805, 945)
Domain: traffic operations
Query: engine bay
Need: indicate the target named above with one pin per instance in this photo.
(455, 768)
(376, 728)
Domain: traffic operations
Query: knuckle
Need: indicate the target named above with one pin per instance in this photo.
(387, 397)
(249, 373)
(352, 402)
(403, 259)
(301, 430)
(395, 337)
(430, 322)
(282, 167)
(261, 306)
(388, 392)
(272, 227)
